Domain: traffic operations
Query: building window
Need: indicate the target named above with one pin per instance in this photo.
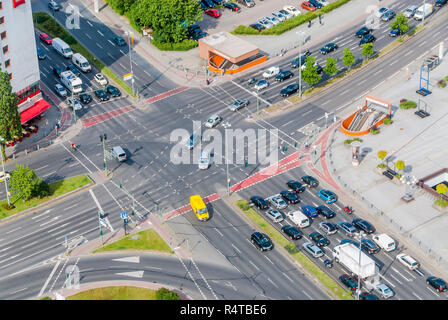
(7, 63)
(10, 76)
(3, 35)
(2, 20)
(1, 5)
(5, 49)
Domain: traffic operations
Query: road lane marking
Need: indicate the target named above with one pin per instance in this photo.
(46, 212)
(219, 232)
(49, 278)
(10, 258)
(254, 265)
(235, 248)
(88, 22)
(10, 231)
(269, 259)
(100, 32)
(288, 278)
(400, 274)
(269, 279)
(416, 295)
(49, 221)
(200, 273)
(305, 293)
(395, 279)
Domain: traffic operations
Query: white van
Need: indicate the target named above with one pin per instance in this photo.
(62, 48)
(298, 218)
(119, 153)
(384, 241)
(81, 62)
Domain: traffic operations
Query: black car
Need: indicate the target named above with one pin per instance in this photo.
(368, 38)
(85, 98)
(292, 232)
(73, 69)
(101, 95)
(363, 225)
(231, 6)
(57, 71)
(319, 239)
(259, 202)
(208, 3)
(326, 212)
(368, 296)
(261, 241)
(310, 181)
(202, 5)
(284, 75)
(319, 68)
(369, 246)
(440, 3)
(52, 5)
(257, 26)
(113, 91)
(315, 3)
(298, 61)
(290, 196)
(289, 90)
(349, 282)
(395, 32)
(437, 283)
(328, 48)
(362, 32)
(296, 186)
(119, 41)
(199, 35)
(193, 29)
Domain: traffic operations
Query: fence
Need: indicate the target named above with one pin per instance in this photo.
(376, 212)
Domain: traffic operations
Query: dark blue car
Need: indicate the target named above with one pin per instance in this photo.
(310, 211)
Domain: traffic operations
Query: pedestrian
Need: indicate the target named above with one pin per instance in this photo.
(59, 124)
(320, 19)
(309, 23)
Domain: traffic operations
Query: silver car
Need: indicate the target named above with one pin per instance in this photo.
(238, 104)
(279, 15)
(312, 249)
(204, 161)
(409, 12)
(286, 14)
(60, 90)
(328, 227)
(384, 291)
(266, 23)
(274, 215)
(213, 121)
(273, 20)
(278, 202)
(347, 228)
(74, 103)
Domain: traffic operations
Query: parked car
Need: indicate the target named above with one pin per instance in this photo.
(101, 95)
(309, 211)
(328, 227)
(440, 3)
(100, 79)
(259, 202)
(277, 202)
(257, 26)
(247, 3)
(296, 186)
(395, 32)
(113, 91)
(289, 90)
(208, 3)
(57, 71)
(388, 15)
(213, 13)
(368, 296)
(368, 38)
(308, 6)
(327, 195)
(409, 12)
(85, 98)
(363, 225)
(60, 90)
(326, 212)
(369, 246)
(292, 232)
(284, 75)
(213, 121)
(383, 290)
(45, 38)
(312, 249)
(292, 10)
(272, 20)
(437, 283)
(5, 176)
(323, 2)
(285, 13)
(231, 6)
(330, 47)
(381, 11)
(347, 228)
(41, 54)
(238, 104)
(315, 3)
(290, 196)
(310, 181)
(349, 282)
(265, 23)
(260, 85)
(362, 32)
(319, 239)
(119, 41)
(261, 241)
(271, 72)
(74, 103)
(274, 215)
(199, 35)
(279, 15)
(202, 5)
(407, 261)
(52, 5)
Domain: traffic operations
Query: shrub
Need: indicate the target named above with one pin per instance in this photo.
(400, 40)
(165, 294)
(374, 131)
(349, 141)
(441, 203)
(446, 78)
(441, 84)
(185, 45)
(8, 206)
(381, 166)
(408, 104)
(387, 121)
(43, 190)
(243, 205)
(245, 30)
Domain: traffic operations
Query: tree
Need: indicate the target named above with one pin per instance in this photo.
(10, 124)
(381, 155)
(400, 22)
(168, 18)
(309, 74)
(331, 67)
(441, 188)
(400, 165)
(165, 294)
(121, 6)
(24, 183)
(348, 59)
(367, 50)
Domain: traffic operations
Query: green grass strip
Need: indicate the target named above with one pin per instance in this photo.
(57, 188)
(45, 22)
(275, 235)
(147, 240)
(120, 293)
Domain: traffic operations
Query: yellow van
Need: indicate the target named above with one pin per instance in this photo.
(199, 207)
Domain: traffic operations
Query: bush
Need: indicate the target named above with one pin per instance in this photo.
(381, 166)
(446, 78)
(8, 206)
(441, 203)
(408, 104)
(349, 141)
(43, 190)
(441, 84)
(387, 121)
(185, 45)
(243, 205)
(400, 40)
(374, 131)
(165, 294)
(244, 30)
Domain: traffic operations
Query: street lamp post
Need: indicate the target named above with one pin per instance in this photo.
(301, 35)
(358, 290)
(129, 34)
(258, 101)
(4, 173)
(103, 138)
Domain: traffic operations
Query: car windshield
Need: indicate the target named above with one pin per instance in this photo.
(202, 211)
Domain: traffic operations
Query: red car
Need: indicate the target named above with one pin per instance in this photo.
(45, 38)
(308, 6)
(213, 13)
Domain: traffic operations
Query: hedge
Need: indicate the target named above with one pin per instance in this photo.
(185, 45)
(244, 30)
(408, 104)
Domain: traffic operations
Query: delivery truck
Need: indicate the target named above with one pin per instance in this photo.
(349, 257)
(62, 48)
(424, 11)
(199, 207)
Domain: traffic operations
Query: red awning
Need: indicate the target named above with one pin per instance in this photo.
(33, 111)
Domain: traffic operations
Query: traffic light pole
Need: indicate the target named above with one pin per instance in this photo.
(103, 139)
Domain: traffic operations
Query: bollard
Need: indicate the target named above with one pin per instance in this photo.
(26, 151)
(38, 147)
(13, 155)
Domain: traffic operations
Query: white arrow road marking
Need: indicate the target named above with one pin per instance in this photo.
(134, 274)
(41, 214)
(135, 259)
(55, 218)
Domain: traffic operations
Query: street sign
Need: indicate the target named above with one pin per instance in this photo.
(127, 76)
(123, 215)
(103, 223)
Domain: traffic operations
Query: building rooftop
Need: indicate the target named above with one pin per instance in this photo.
(229, 45)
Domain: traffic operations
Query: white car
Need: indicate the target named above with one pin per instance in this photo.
(286, 14)
(278, 202)
(4, 175)
(266, 23)
(60, 90)
(278, 15)
(213, 121)
(292, 10)
(271, 72)
(204, 161)
(75, 104)
(381, 11)
(272, 20)
(274, 215)
(260, 85)
(323, 2)
(384, 291)
(100, 79)
(408, 261)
